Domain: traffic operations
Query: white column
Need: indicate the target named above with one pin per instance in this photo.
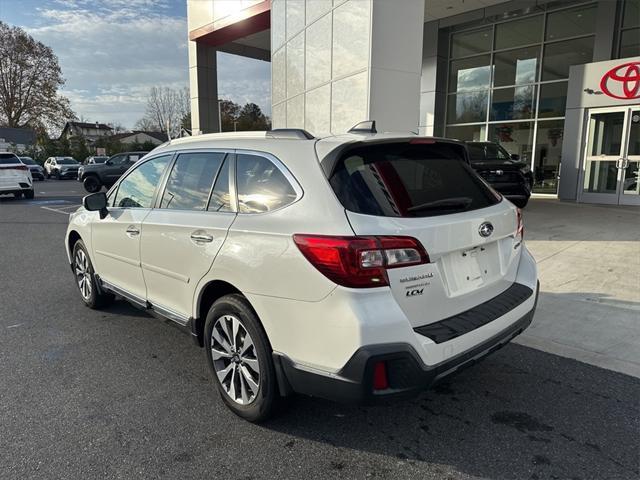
(335, 64)
(203, 81)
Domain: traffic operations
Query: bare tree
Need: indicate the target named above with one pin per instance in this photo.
(29, 81)
(147, 125)
(166, 109)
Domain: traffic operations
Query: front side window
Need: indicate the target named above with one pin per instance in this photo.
(190, 181)
(117, 160)
(137, 189)
(261, 186)
(405, 180)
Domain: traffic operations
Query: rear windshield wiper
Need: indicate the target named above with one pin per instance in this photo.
(455, 203)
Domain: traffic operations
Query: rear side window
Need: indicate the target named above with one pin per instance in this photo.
(190, 181)
(261, 186)
(405, 180)
(138, 188)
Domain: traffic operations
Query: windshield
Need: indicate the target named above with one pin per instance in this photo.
(27, 161)
(483, 152)
(405, 180)
(100, 159)
(66, 161)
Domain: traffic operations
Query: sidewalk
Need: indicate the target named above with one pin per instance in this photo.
(589, 262)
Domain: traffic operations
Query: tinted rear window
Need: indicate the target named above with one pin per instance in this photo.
(482, 152)
(404, 180)
(8, 159)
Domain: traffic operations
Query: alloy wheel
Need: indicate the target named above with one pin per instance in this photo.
(235, 359)
(83, 275)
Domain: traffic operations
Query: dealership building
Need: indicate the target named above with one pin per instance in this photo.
(555, 82)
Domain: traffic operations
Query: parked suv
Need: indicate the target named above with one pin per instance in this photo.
(15, 177)
(96, 175)
(357, 268)
(61, 167)
(505, 172)
(37, 172)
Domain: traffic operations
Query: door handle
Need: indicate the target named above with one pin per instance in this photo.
(625, 163)
(132, 231)
(201, 236)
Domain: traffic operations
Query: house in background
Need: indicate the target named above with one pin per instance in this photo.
(18, 140)
(140, 137)
(90, 131)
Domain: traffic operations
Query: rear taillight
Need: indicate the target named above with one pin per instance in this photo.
(360, 262)
(520, 226)
(14, 167)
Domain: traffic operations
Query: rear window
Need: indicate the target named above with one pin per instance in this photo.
(8, 159)
(405, 180)
(66, 161)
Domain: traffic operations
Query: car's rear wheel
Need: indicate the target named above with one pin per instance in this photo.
(239, 355)
(84, 274)
(91, 184)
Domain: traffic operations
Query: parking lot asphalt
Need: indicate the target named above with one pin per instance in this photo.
(120, 394)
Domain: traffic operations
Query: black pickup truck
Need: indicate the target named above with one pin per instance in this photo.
(95, 176)
(503, 171)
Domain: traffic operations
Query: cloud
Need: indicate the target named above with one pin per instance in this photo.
(113, 51)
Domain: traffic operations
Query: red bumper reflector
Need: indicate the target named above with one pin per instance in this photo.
(380, 381)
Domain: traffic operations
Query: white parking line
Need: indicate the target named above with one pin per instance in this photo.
(60, 210)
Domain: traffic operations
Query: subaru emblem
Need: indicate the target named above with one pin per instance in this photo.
(486, 229)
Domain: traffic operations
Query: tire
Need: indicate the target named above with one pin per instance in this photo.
(17, 194)
(88, 288)
(29, 194)
(255, 401)
(56, 175)
(91, 184)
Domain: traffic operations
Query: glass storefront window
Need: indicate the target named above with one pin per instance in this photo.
(558, 57)
(631, 16)
(467, 107)
(526, 31)
(571, 22)
(553, 100)
(630, 43)
(516, 67)
(548, 153)
(470, 74)
(513, 103)
(475, 133)
(470, 43)
(515, 137)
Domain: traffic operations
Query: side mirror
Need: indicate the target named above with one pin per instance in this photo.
(96, 202)
(515, 156)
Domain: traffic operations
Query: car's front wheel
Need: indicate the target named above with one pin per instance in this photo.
(83, 271)
(239, 355)
(29, 194)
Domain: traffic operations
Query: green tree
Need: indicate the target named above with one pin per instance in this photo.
(30, 78)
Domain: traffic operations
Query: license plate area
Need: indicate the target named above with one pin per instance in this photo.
(471, 269)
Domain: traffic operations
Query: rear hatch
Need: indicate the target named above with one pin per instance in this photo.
(12, 171)
(426, 189)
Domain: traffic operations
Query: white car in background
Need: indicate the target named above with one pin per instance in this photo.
(357, 268)
(15, 176)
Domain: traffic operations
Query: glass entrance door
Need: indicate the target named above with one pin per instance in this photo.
(612, 157)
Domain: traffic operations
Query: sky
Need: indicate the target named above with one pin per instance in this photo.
(113, 51)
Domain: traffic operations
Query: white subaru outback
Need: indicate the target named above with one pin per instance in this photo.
(355, 268)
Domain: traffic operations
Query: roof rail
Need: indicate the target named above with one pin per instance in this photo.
(368, 126)
(290, 133)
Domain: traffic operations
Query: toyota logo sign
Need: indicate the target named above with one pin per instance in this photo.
(622, 82)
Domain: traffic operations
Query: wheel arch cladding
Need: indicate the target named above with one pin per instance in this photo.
(211, 292)
(72, 240)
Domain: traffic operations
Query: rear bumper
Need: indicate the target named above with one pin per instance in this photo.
(407, 374)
